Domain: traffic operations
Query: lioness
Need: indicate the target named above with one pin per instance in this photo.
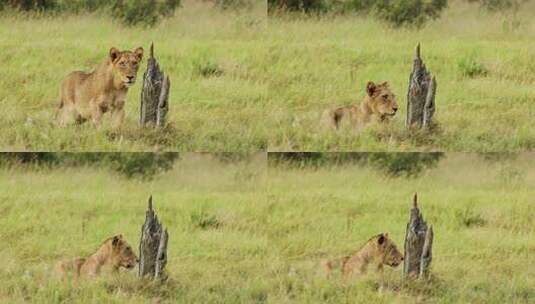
(114, 253)
(86, 96)
(378, 251)
(379, 102)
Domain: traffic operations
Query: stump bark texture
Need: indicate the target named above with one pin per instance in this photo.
(418, 245)
(154, 94)
(152, 246)
(420, 96)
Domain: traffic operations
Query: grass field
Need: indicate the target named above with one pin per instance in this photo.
(208, 112)
(70, 212)
(482, 62)
(239, 234)
(243, 82)
(480, 213)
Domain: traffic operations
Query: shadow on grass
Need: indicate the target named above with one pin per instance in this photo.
(420, 138)
(423, 289)
(144, 288)
(158, 138)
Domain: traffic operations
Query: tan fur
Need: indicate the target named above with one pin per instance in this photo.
(87, 96)
(379, 104)
(378, 251)
(114, 253)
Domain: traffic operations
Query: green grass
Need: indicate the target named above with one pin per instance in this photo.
(208, 111)
(486, 84)
(239, 234)
(480, 212)
(70, 212)
(243, 82)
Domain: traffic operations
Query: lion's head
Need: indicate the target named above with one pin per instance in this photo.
(122, 254)
(125, 65)
(381, 100)
(387, 251)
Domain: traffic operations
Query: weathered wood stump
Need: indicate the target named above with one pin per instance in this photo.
(418, 245)
(154, 94)
(421, 95)
(152, 246)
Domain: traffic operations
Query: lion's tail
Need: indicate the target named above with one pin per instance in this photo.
(330, 119)
(58, 109)
(56, 113)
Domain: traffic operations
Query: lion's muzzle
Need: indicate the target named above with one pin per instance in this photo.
(130, 81)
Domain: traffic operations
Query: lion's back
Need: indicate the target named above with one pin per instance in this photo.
(69, 267)
(74, 80)
(334, 117)
(81, 87)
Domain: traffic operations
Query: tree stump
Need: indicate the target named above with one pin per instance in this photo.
(421, 95)
(152, 246)
(154, 94)
(418, 245)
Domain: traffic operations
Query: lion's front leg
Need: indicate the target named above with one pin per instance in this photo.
(117, 114)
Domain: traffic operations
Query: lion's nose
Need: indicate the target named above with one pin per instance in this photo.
(130, 78)
(395, 109)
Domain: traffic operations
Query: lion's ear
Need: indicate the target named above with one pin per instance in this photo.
(139, 53)
(385, 84)
(116, 239)
(114, 54)
(381, 239)
(371, 88)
